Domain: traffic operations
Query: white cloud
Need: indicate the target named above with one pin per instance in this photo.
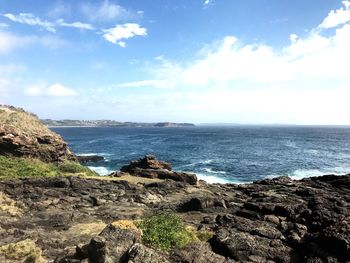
(60, 9)
(30, 19)
(307, 81)
(337, 17)
(105, 11)
(10, 41)
(55, 90)
(3, 25)
(78, 25)
(157, 83)
(230, 62)
(125, 31)
(58, 90)
(8, 77)
(207, 3)
(121, 44)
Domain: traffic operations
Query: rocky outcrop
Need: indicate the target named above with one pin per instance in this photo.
(23, 135)
(150, 167)
(279, 220)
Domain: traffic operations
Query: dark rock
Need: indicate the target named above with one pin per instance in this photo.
(200, 204)
(147, 162)
(269, 221)
(197, 253)
(111, 245)
(150, 167)
(139, 253)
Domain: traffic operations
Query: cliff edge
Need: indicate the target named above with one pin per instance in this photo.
(23, 135)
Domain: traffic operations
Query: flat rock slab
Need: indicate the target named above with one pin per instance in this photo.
(277, 220)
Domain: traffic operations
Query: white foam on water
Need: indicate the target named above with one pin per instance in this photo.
(209, 170)
(100, 170)
(306, 173)
(92, 154)
(210, 179)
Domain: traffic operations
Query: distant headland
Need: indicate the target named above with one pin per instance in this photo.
(111, 123)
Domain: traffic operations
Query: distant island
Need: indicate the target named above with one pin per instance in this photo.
(110, 123)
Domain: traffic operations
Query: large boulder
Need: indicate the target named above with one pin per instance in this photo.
(23, 135)
(149, 162)
(150, 167)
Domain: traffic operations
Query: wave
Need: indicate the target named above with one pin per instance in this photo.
(210, 179)
(306, 173)
(290, 144)
(100, 170)
(92, 154)
(207, 161)
(209, 170)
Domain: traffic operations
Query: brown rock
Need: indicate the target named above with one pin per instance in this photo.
(23, 135)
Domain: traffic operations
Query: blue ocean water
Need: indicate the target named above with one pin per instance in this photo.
(221, 154)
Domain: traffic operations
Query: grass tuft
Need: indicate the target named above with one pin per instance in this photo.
(165, 231)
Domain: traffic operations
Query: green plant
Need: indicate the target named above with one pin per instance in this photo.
(11, 167)
(165, 231)
(73, 167)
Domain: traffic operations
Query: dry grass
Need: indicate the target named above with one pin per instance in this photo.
(128, 224)
(23, 251)
(87, 229)
(26, 122)
(128, 178)
(9, 206)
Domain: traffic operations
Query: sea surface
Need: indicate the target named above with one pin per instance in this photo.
(235, 154)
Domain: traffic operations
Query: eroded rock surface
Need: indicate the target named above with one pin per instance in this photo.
(278, 220)
(150, 167)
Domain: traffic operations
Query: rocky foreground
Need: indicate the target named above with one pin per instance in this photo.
(276, 220)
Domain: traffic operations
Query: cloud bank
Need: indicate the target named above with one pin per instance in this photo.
(306, 81)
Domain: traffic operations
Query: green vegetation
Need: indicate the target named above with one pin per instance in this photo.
(165, 231)
(11, 167)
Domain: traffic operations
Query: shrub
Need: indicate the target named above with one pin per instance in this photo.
(74, 168)
(165, 231)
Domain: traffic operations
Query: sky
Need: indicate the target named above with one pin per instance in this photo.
(200, 61)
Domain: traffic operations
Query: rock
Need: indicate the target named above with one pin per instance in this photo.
(23, 135)
(89, 158)
(150, 167)
(118, 174)
(111, 245)
(200, 204)
(147, 162)
(269, 221)
(197, 253)
(139, 253)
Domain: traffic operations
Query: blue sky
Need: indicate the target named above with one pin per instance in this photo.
(262, 61)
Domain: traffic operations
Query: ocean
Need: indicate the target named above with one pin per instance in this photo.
(229, 154)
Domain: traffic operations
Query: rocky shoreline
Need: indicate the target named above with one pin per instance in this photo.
(85, 218)
(277, 220)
